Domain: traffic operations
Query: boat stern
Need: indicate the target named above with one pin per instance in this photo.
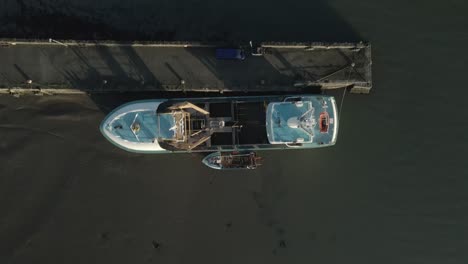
(304, 121)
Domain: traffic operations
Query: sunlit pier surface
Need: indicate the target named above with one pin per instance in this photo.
(66, 67)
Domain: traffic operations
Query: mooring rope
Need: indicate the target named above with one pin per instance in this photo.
(344, 89)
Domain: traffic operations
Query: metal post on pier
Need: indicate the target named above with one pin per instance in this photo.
(57, 42)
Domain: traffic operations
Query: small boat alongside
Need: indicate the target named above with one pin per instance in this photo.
(232, 160)
(223, 124)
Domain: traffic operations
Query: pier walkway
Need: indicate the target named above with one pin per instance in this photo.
(53, 66)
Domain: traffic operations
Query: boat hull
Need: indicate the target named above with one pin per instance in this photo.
(148, 143)
(218, 160)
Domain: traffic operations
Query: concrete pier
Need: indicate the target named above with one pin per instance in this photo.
(62, 67)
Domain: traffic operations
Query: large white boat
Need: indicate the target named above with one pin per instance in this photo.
(223, 124)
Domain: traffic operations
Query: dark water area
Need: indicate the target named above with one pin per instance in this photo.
(174, 20)
(393, 189)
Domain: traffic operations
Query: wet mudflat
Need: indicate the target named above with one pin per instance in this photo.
(393, 190)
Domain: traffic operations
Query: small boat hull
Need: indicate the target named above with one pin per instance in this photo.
(232, 160)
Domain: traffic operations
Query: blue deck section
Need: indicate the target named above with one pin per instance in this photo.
(148, 126)
(308, 133)
(280, 113)
(152, 126)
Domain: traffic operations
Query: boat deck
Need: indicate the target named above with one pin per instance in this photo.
(90, 67)
(249, 128)
(245, 123)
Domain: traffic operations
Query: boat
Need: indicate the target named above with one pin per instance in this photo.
(211, 124)
(232, 160)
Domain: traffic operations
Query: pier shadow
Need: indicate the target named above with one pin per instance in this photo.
(119, 69)
(241, 75)
(104, 68)
(21, 72)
